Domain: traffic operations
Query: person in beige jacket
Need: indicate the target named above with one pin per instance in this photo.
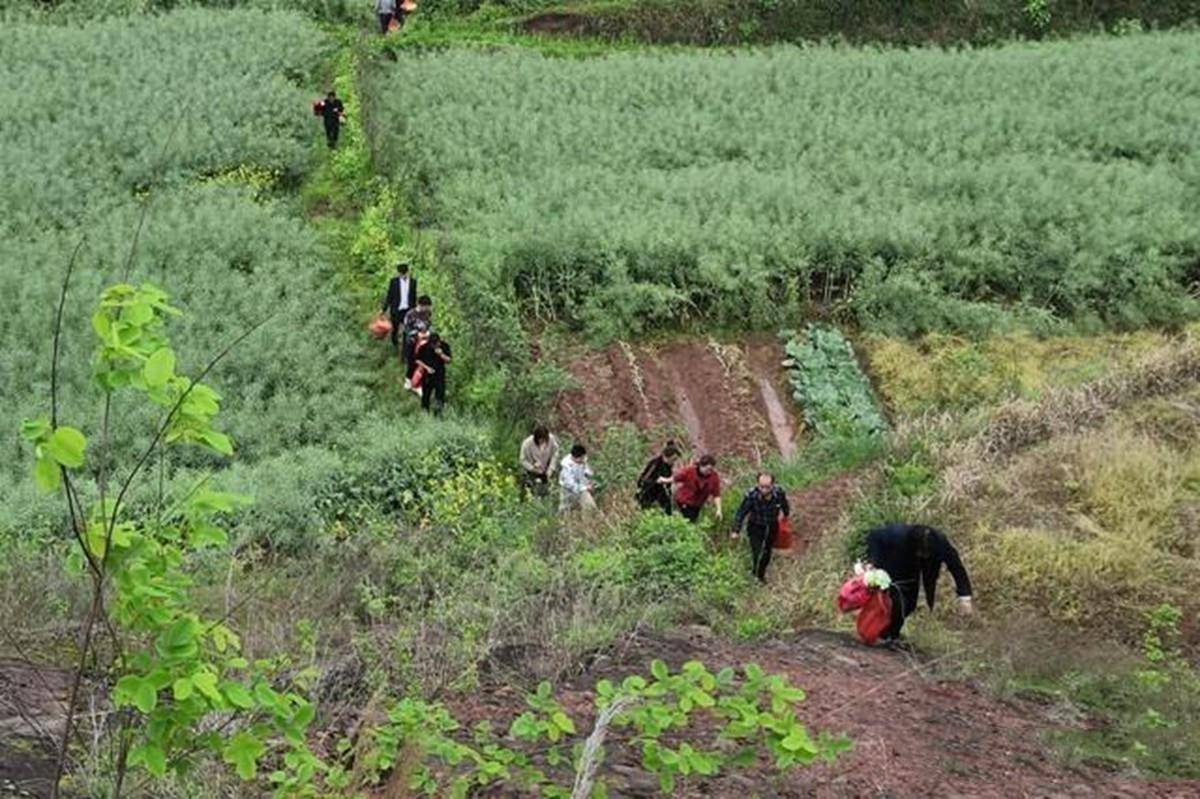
(539, 461)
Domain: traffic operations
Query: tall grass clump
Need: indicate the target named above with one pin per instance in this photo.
(1041, 186)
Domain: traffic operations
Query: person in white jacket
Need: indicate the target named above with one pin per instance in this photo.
(575, 482)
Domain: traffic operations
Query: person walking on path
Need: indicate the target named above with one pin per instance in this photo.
(654, 483)
(432, 360)
(761, 510)
(399, 300)
(539, 461)
(386, 11)
(575, 483)
(332, 112)
(415, 321)
(912, 555)
(695, 485)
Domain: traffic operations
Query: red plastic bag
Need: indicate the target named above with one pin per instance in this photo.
(318, 107)
(380, 327)
(853, 594)
(875, 617)
(783, 540)
(418, 376)
(393, 25)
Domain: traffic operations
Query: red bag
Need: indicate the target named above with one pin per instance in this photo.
(393, 25)
(783, 535)
(380, 327)
(318, 107)
(418, 376)
(875, 617)
(853, 594)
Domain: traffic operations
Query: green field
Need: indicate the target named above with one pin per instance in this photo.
(1046, 186)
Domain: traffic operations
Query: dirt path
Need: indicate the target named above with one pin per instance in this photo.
(728, 399)
(914, 735)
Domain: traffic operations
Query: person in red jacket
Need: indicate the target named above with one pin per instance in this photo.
(695, 485)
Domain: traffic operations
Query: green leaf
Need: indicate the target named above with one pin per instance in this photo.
(34, 430)
(47, 474)
(66, 446)
(182, 689)
(218, 442)
(151, 756)
(243, 752)
(237, 695)
(206, 683)
(563, 722)
(145, 698)
(659, 670)
(159, 367)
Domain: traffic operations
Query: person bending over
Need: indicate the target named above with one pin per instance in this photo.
(912, 555)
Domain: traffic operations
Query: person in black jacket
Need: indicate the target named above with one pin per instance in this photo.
(762, 506)
(912, 555)
(400, 298)
(432, 359)
(332, 112)
(654, 483)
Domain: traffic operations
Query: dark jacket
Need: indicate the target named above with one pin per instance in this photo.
(428, 356)
(650, 490)
(332, 110)
(895, 550)
(762, 511)
(391, 301)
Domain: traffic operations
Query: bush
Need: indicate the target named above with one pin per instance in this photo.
(697, 199)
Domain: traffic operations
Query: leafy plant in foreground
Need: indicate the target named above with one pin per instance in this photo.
(178, 682)
(751, 710)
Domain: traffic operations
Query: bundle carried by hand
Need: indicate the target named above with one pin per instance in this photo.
(867, 593)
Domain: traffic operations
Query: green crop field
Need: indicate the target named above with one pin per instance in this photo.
(1039, 185)
(188, 127)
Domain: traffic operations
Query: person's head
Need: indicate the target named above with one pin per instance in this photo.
(922, 538)
(670, 452)
(424, 301)
(540, 435)
(402, 268)
(766, 483)
(332, 93)
(579, 452)
(422, 333)
(706, 465)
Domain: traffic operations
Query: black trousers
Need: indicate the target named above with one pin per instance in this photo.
(690, 513)
(760, 548)
(904, 602)
(433, 387)
(331, 132)
(534, 483)
(656, 494)
(384, 21)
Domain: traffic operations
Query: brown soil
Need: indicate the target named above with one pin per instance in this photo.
(727, 399)
(914, 734)
(819, 508)
(31, 718)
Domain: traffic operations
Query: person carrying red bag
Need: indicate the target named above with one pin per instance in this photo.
(762, 508)
(912, 555)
